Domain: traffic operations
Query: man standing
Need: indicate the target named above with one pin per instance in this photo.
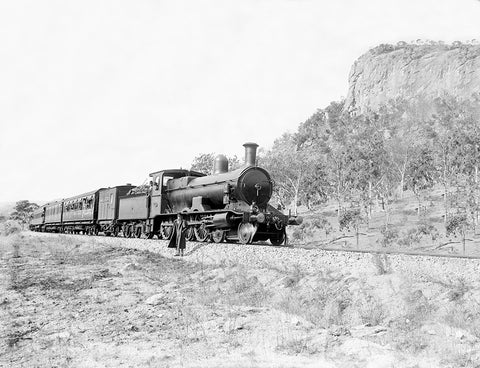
(178, 237)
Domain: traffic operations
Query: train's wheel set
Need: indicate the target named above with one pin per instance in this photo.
(245, 232)
(202, 233)
(190, 235)
(127, 231)
(218, 236)
(166, 230)
(278, 238)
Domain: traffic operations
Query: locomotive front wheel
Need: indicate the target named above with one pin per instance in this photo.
(218, 236)
(246, 231)
(201, 233)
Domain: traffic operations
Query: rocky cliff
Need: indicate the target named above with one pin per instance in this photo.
(408, 71)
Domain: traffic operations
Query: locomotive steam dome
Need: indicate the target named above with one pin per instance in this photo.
(220, 165)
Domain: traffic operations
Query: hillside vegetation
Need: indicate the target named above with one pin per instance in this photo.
(411, 162)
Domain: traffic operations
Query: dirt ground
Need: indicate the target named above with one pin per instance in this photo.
(69, 301)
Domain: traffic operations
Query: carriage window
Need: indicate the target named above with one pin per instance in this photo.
(111, 198)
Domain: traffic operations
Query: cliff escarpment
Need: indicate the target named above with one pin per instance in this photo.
(407, 71)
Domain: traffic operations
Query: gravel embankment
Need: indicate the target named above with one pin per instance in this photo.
(303, 260)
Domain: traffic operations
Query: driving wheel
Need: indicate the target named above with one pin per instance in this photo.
(201, 233)
(167, 231)
(218, 236)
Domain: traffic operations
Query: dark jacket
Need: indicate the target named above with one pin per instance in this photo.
(178, 237)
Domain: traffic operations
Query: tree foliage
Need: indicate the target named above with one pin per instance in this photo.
(23, 211)
(375, 156)
(359, 161)
(204, 163)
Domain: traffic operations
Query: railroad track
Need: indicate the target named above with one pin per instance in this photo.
(390, 251)
(310, 259)
(307, 247)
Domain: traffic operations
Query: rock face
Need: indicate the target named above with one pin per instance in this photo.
(409, 71)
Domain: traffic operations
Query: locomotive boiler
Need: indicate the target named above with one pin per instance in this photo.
(249, 185)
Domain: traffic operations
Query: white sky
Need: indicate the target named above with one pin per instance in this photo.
(101, 93)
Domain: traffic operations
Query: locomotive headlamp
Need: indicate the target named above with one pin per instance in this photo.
(259, 217)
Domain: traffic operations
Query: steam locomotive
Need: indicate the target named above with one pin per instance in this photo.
(227, 205)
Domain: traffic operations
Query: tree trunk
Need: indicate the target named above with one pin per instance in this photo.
(339, 202)
(445, 203)
(402, 183)
(357, 234)
(475, 216)
(445, 189)
(369, 200)
(419, 200)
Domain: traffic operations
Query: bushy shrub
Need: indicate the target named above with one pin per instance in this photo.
(415, 235)
(307, 228)
(349, 218)
(382, 264)
(298, 234)
(10, 227)
(456, 224)
(389, 236)
(411, 237)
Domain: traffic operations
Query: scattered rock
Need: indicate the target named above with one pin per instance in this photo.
(155, 299)
(131, 267)
(61, 335)
(339, 331)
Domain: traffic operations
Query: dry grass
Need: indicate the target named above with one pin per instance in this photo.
(381, 263)
(63, 285)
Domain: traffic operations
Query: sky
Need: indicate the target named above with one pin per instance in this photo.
(101, 93)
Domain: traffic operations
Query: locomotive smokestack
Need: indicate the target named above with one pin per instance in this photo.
(250, 153)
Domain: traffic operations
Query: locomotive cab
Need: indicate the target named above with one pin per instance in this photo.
(161, 181)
